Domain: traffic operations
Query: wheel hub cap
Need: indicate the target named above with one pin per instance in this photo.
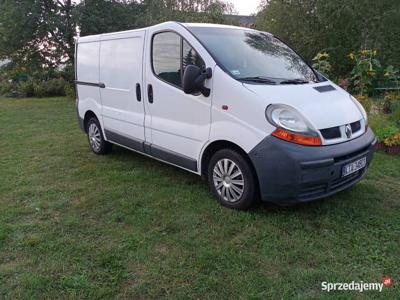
(94, 136)
(228, 180)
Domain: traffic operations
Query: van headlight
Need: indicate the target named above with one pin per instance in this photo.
(361, 109)
(291, 125)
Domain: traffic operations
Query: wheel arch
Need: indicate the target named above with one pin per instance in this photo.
(218, 145)
(88, 115)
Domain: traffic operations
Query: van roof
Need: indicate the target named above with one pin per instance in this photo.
(210, 25)
(96, 37)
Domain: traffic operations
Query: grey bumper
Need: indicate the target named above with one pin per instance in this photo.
(289, 173)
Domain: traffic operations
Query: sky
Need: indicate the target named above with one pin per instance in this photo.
(245, 7)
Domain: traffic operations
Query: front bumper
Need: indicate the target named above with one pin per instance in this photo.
(289, 173)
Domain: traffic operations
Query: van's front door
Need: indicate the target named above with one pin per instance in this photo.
(121, 73)
(179, 123)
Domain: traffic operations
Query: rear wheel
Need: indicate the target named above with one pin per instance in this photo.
(231, 179)
(96, 139)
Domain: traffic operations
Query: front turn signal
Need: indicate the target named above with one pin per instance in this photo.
(297, 138)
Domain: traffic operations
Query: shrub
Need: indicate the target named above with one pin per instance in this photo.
(69, 90)
(344, 83)
(321, 63)
(364, 70)
(54, 87)
(39, 90)
(68, 73)
(392, 140)
(395, 115)
(26, 88)
(50, 88)
(385, 132)
(390, 102)
(393, 75)
(5, 88)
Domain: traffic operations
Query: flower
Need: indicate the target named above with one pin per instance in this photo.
(345, 83)
(324, 55)
(365, 51)
(392, 140)
(351, 56)
(375, 51)
(361, 98)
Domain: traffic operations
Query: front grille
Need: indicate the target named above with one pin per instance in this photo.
(334, 132)
(309, 192)
(318, 190)
(331, 133)
(355, 126)
(338, 183)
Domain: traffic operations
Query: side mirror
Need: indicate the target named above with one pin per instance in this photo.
(193, 80)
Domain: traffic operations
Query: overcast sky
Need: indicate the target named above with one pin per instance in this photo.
(245, 7)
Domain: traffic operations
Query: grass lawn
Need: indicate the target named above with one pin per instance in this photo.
(77, 225)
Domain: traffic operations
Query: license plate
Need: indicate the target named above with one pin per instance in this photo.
(354, 166)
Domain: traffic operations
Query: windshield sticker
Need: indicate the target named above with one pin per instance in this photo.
(235, 72)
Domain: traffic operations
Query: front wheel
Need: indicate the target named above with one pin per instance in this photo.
(96, 139)
(231, 179)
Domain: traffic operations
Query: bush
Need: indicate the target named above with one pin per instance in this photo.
(54, 87)
(395, 115)
(321, 63)
(26, 88)
(390, 102)
(5, 88)
(39, 90)
(69, 90)
(393, 140)
(365, 67)
(50, 88)
(385, 132)
(68, 73)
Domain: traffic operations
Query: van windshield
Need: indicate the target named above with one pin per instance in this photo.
(251, 55)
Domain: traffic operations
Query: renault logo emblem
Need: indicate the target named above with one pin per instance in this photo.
(347, 130)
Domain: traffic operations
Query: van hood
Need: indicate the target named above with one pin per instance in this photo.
(324, 104)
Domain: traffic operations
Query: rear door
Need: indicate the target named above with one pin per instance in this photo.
(121, 63)
(87, 76)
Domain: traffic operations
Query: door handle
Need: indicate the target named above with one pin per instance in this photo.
(138, 92)
(150, 93)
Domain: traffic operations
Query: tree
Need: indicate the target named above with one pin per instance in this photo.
(337, 27)
(37, 32)
(101, 16)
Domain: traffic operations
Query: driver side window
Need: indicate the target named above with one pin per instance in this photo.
(170, 56)
(191, 57)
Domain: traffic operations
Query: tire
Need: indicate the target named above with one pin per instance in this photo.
(96, 139)
(232, 180)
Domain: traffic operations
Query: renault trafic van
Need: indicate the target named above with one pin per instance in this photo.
(234, 105)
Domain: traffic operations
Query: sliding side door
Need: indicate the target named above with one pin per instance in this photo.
(121, 73)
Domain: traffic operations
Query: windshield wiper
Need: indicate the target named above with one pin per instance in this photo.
(294, 81)
(259, 79)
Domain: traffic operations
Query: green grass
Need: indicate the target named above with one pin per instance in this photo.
(77, 225)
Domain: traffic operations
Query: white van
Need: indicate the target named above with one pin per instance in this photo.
(234, 105)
